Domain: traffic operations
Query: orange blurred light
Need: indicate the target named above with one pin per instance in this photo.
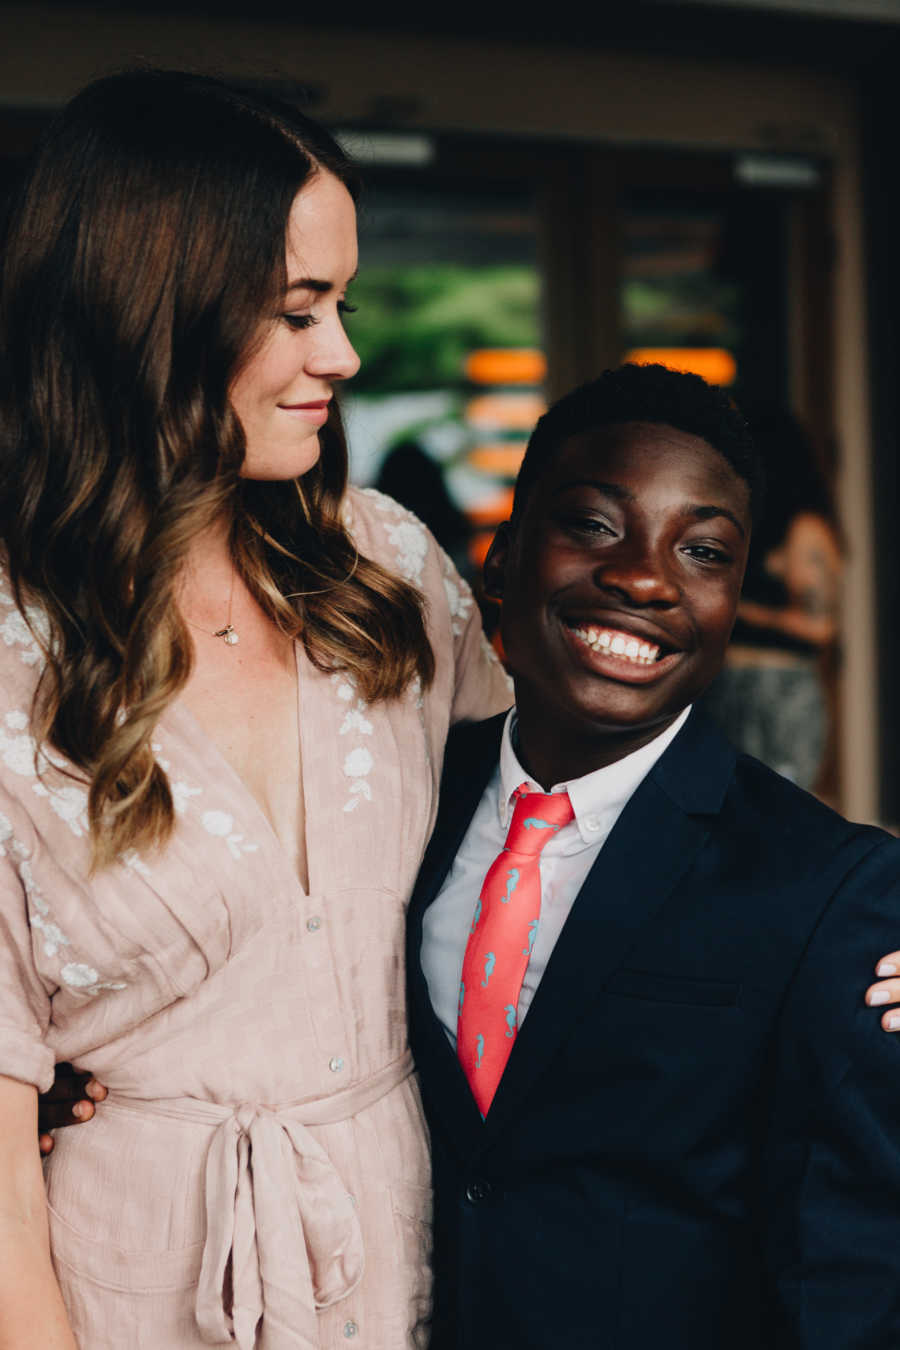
(479, 545)
(715, 364)
(492, 510)
(501, 459)
(518, 412)
(506, 365)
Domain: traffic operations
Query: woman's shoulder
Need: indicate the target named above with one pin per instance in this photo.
(21, 635)
(391, 535)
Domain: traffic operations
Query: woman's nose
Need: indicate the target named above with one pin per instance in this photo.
(334, 356)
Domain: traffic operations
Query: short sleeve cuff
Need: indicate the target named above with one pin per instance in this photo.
(24, 1057)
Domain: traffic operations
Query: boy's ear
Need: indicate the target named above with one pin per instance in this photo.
(495, 562)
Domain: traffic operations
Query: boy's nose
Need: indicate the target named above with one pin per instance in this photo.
(639, 579)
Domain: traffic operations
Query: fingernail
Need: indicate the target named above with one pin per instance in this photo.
(886, 968)
(92, 1086)
(893, 1022)
(81, 1110)
(880, 996)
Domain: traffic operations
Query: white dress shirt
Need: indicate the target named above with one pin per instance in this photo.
(598, 800)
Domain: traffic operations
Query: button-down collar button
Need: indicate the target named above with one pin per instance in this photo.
(350, 1330)
(335, 1064)
(592, 823)
(314, 924)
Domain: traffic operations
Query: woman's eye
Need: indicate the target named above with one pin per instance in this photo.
(300, 321)
(345, 307)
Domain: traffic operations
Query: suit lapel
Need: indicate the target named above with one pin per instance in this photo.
(652, 846)
(472, 754)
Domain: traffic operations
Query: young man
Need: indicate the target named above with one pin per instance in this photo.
(660, 1113)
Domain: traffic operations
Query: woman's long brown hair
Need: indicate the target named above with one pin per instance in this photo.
(141, 253)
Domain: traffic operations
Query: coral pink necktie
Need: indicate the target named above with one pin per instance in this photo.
(502, 935)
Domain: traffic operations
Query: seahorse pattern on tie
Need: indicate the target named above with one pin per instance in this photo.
(501, 939)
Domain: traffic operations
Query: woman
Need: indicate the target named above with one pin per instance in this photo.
(771, 698)
(226, 683)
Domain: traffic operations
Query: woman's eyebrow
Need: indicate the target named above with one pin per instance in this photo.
(313, 284)
(310, 284)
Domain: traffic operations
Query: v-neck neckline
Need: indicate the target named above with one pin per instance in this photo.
(199, 732)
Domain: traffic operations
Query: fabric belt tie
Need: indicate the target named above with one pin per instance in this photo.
(263, 1168)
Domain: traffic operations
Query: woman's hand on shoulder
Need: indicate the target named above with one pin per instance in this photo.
(70, 1101)
(887, 990)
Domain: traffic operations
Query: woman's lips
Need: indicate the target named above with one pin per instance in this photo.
(316, 411)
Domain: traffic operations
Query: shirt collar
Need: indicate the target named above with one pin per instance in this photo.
(606, 790)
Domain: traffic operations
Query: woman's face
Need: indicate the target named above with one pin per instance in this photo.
(282, 393)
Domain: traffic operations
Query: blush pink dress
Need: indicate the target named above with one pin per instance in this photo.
(259, 1174)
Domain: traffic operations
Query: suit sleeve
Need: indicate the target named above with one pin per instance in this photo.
(831, 1174)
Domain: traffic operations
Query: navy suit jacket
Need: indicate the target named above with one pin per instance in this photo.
(696, 1142)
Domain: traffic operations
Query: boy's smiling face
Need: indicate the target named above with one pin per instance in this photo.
(620, 583)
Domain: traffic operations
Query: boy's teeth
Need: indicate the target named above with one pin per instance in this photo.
(623, 645)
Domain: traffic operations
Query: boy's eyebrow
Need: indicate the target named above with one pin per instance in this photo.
(616, 490)
(623, 494)
(710, 512)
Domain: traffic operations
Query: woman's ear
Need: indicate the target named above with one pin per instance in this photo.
(495, 562)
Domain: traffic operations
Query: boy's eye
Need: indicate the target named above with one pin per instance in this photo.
(579, 523)
(707, 553)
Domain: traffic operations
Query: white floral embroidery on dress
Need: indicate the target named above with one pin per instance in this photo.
(459, 596)
(75, 974)
(221, 826)
(491, 654)
(218, 823)
(16, 632)
(135, 863)
(358, 762)
(17, 750)
(6, 831)
(408, 536)
(181, 794)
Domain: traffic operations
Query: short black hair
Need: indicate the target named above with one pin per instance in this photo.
(651, 393)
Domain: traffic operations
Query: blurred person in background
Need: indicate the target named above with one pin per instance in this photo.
(771, 698)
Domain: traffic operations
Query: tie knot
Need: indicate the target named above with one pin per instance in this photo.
(537, 817)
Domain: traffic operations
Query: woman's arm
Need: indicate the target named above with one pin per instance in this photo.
(809, 564)
(31, 1306)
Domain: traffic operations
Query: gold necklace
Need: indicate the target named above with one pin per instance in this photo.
(227, 634)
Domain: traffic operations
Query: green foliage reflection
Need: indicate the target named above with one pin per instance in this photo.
(416, 324)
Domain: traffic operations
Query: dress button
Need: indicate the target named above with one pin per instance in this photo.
(592, 823)
(314, 924)
(350, 1330)
(478, 1190)
(335, 1064)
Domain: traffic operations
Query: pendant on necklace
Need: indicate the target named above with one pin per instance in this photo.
(228, 635)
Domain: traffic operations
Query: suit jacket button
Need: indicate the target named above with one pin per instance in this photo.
(478, 1190)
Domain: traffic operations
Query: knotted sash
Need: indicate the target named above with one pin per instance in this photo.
(277, 1210)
